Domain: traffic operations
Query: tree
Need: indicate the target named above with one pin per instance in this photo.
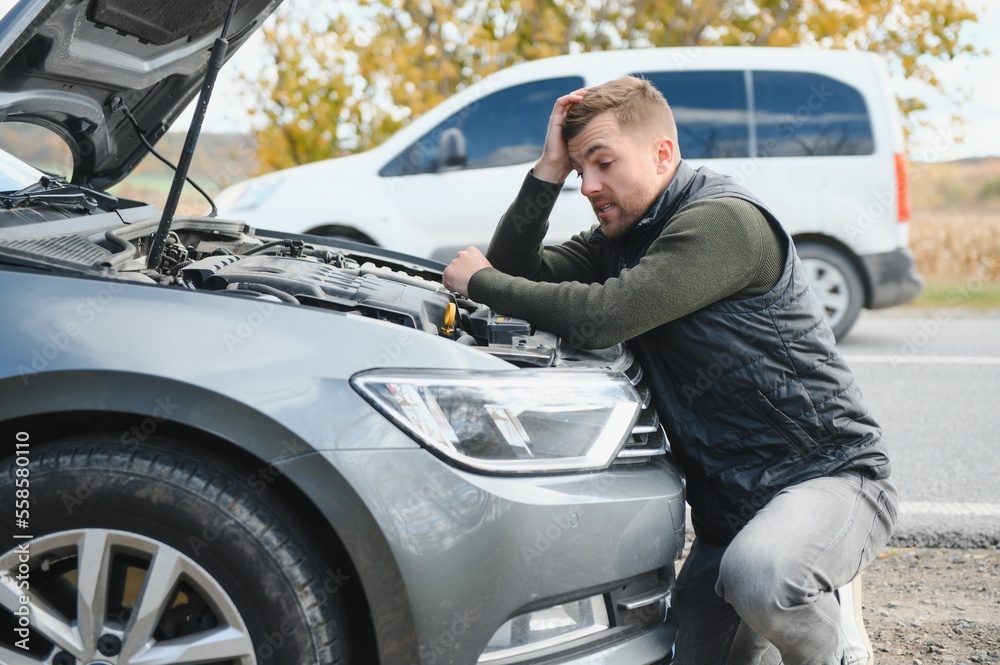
(345, 84)
(308, 102)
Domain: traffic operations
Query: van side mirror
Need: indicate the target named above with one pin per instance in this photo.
(451, 149)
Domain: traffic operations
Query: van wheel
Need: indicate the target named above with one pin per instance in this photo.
(836, 283)
(147, 555)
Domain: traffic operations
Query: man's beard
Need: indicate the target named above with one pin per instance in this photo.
(629, 211)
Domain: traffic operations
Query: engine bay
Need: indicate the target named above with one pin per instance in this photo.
(231, 259)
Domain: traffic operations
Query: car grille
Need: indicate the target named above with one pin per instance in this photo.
(648, 439)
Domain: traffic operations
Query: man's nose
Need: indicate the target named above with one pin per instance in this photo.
(591, 185)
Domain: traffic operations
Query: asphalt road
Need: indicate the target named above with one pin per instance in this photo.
(932, 380)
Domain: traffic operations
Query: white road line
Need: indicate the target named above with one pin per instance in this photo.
(922, 360)
(951, 321)
(953, 509)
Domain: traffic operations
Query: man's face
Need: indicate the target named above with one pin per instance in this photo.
(620, 171)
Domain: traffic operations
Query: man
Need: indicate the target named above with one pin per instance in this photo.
(786, 473)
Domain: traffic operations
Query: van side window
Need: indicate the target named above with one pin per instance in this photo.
(710, 109)
(798, 114)
(501, 129)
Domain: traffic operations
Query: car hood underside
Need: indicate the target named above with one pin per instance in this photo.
(75, 67)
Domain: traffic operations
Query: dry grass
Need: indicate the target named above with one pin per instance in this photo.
(955, 227)
(956, 247)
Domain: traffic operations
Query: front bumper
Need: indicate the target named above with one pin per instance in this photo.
(893, 278)
(471, 552)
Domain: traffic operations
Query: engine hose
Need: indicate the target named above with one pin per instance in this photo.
(265, 289)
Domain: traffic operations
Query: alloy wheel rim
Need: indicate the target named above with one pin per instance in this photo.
(107, 596)
(830, 287)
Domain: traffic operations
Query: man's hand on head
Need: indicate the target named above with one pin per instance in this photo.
(553, 165)
(458, 273)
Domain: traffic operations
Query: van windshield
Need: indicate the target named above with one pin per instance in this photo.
(504, 128)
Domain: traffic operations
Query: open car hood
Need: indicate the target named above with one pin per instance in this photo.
(69, 64)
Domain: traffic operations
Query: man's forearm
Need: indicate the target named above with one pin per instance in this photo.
(517, 242)
(517, 247)
(709, 252)
(568, 309)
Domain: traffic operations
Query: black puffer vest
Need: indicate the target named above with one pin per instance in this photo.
(753, 393)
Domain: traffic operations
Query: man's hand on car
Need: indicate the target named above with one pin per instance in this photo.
(460, 270)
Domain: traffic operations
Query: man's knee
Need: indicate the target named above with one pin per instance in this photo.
(757, 582)
(747, 576)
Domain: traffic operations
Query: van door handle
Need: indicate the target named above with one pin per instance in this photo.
(571, 186)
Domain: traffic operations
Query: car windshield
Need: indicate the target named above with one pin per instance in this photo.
(15, 174)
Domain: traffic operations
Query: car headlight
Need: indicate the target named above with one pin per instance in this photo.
(509, 421)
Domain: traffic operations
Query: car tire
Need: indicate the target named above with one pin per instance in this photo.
(149, 554)
(836, 283)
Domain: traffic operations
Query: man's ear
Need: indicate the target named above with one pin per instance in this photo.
(666, 149)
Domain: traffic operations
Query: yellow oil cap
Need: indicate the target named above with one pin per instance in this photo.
(448, 329)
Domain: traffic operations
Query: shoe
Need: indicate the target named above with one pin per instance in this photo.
(858, 648)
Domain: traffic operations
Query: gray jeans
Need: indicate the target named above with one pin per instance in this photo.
(769, 596)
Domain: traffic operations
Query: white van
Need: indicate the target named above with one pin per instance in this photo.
(814, 133)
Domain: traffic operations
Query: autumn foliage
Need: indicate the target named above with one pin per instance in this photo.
(343, 81)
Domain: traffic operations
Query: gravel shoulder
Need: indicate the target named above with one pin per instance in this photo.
(934, 605)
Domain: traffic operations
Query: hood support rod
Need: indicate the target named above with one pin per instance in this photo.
(215, 63)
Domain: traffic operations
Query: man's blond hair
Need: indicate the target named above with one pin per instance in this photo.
(635, 102)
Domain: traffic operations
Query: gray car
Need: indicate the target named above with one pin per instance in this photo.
(224, 445)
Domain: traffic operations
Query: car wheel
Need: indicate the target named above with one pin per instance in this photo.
(836, 284)
(143, 554)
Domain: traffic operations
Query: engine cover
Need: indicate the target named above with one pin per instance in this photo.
(311, 282)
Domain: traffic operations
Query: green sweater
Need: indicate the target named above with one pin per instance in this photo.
(708, 251)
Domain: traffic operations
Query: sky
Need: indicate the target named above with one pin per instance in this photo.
(977, 76)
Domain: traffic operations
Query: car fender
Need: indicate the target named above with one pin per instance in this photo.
(149, 405)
